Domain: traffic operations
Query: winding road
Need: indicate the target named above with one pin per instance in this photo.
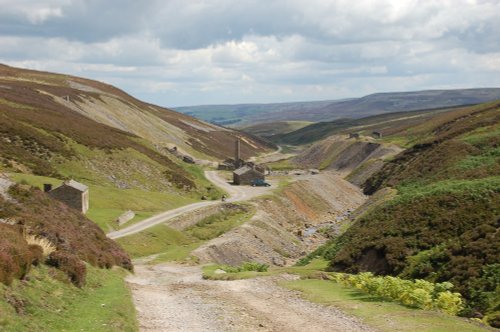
(236, 193)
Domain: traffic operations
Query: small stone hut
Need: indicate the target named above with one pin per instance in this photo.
(353, 135)
(72, 193)
(377, 134)
(246, 174)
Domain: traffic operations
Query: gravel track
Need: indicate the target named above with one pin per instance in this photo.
(172, 297)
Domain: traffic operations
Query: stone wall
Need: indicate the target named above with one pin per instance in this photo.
(125, 217)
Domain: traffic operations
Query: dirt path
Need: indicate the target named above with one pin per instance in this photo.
(171, 297)
(236, 193)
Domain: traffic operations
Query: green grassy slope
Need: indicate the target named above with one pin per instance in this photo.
(46, 302)
(108, 202)
(443, 224)
(173, 245)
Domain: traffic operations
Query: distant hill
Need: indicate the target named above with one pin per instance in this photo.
(329, 110)
(385, 124)
(248, 114)
(270, 129)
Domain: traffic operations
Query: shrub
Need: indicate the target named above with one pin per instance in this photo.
(15, 257)
(493, 319)
(417, 294)
(63, 228)
(449, 302)
(36, 253)
(246, 266)
(74, 268)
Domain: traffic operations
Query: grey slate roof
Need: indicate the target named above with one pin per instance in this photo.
(77, 185)
(242, 170)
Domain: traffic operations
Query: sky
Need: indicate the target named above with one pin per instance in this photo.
(192, 52)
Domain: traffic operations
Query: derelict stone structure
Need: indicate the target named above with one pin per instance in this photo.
(246, 174)
(73, 194)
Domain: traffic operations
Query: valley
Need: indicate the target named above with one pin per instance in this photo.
(385, 221)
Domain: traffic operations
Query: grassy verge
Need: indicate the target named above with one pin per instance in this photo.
(47, 303)
(385, 316)
(173, 245)
(375, 312)
(155, 240)
(107, 203)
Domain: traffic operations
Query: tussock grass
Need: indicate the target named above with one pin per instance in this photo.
(47, 246)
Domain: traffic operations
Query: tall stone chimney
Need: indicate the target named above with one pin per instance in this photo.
(237, 155)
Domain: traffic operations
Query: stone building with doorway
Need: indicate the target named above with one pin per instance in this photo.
(72, 193)
(246, 174)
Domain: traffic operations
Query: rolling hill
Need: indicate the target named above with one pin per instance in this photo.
(385, 124)
(249, 114)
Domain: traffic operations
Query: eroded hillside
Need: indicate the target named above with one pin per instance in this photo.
(130, 153)
(287, 224)
(65, 96)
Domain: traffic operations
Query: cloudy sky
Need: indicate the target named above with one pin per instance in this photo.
(190, 52)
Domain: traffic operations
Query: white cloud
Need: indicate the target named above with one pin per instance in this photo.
(34, 12)
(221, 51)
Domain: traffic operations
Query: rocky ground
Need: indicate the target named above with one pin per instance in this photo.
(286, 225)
(172, 297)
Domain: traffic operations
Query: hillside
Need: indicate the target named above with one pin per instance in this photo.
(316, 111)
(443, 223)
(60, 127)
(58, 252)
(68, 98)
(386, 124)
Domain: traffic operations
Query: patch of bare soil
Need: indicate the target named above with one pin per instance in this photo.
(172, 297)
